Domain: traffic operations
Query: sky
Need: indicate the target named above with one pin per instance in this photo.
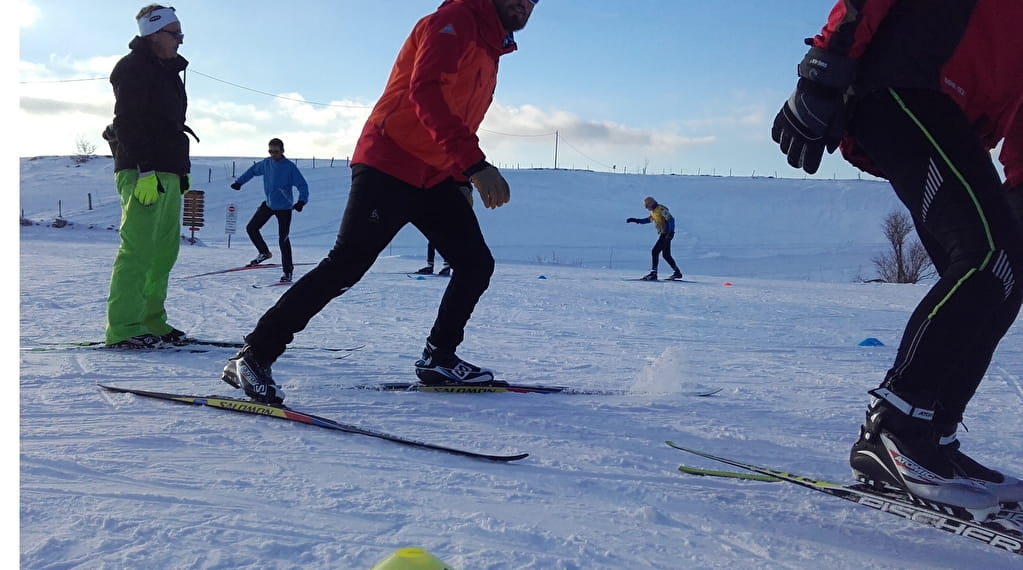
(656, 86)
(773, 312)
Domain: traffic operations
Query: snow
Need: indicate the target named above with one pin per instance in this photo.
(118, 481)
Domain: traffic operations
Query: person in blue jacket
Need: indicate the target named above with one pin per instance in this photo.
(279, 176)
(665, 225)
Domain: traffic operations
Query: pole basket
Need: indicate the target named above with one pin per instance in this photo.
(192, 211)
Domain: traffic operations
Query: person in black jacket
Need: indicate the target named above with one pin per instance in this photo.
(920, 93)
(150, 146)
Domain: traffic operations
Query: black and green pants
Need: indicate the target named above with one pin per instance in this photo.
(947, 180)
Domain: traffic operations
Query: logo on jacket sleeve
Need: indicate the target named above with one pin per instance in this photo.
(448, 29)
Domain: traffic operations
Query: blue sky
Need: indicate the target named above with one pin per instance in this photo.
(657, 85)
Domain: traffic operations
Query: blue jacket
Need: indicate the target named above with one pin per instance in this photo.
(279, 176)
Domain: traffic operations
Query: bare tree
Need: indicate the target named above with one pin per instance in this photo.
(85, 148)
(902, 264)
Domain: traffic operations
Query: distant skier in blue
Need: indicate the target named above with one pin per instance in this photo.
(279, 176)
(665, 225)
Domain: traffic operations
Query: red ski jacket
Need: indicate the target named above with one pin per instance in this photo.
(423, 128)
(971, 50)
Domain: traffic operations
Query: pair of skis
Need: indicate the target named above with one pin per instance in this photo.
(1003, 531)
(287, 413)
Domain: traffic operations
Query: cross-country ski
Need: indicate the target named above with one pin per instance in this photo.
(290, 414)
(1003, 530)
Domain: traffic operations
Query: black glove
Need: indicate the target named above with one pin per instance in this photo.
(299, 205)
(632, 221)
(669, 236)
(236, 186)
(814, 116)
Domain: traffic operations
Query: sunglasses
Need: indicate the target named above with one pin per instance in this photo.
(273, 151)
(177, 35)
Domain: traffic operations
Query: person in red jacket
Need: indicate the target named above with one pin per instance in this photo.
(920, 93)
(415, 155)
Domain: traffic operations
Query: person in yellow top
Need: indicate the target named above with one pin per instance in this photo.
(664, 223)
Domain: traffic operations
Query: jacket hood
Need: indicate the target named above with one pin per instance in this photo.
(490, 24)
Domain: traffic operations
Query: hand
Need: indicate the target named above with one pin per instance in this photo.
(813, 118)
(809, 121)
(147, 188)
(299, 205)
(236, 186)
(632, 221)
(669, 236)
(493, 188)
(186, 182)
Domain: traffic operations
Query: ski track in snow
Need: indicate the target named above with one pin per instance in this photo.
(117, 481)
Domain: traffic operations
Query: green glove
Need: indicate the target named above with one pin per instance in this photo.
(147, 188)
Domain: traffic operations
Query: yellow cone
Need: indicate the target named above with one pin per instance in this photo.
(411, 558)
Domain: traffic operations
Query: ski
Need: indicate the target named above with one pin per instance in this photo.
(100, 345)
(1003, 531)
(272, 284)
(285, 413)
(182, 345)
(658, 280)
(499, 387)
(488, 388)
(233, 269)
(727, 474)
(241, 268)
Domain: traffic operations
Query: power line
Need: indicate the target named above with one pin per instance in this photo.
(280, 96)
(268, 94)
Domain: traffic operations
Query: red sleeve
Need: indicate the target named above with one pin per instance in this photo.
(445, 38)
(851, 26)
(1011, 155)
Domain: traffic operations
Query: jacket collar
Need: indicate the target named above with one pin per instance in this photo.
(141, 46)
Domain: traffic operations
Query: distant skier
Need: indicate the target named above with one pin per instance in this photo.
(431, 253)
(920, 93)
(665, 225)
(280, 175)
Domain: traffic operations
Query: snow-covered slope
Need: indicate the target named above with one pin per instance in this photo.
(116, 481)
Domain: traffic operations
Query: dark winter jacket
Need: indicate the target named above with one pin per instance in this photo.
(148, 132)
(971, 50)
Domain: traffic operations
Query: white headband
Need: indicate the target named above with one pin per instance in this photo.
(156, 21)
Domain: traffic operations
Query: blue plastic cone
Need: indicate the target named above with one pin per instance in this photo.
(411, 558)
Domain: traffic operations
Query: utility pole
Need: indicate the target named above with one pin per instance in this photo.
(555, 150)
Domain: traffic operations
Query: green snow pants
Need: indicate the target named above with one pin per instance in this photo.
(150, 239)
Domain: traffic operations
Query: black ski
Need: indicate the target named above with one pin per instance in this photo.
(499, 387)
(188, 342)
(286, 413)
(1003, 531)
(242, 268)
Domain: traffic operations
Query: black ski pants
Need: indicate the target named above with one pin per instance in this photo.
(947, 180)
(378, 206)
(259, 219)
(663, 248)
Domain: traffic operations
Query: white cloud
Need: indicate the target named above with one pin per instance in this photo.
(27, 13)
